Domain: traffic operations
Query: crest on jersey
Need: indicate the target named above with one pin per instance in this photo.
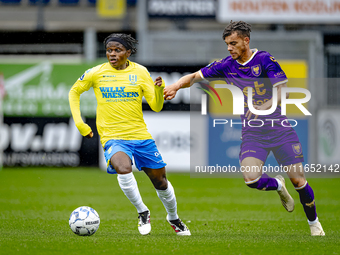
(256, 70)
(297, 148)
(133, 79)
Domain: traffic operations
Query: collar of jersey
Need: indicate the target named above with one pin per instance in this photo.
(251, 57)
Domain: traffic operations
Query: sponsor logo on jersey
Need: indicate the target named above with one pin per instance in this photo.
(107, 80)
(281, 73)
(256, 70)
(116, 92)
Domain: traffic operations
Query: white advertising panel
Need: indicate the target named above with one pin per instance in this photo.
(171, 132)
(328, 137)
(279, 11)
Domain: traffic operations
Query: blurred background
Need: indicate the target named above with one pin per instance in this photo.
(46, 45)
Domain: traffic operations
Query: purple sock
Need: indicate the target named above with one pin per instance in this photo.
(307, 200)
(264, 183)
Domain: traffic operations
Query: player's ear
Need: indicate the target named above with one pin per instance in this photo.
(246, 40)
(128, 52)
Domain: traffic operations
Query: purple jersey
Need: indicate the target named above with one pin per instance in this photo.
(262, 73)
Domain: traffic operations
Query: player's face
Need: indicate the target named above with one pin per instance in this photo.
(237, 46)
(117, 55)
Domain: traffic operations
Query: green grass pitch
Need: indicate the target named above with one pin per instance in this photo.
(224, 216)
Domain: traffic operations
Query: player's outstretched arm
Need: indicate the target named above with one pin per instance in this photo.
(74, 100)
(184, 82)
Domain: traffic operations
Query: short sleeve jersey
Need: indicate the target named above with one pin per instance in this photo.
(261, 72)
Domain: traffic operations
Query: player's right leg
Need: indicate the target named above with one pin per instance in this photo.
(120, 158)
(251, 168)
(306, 194)
(290, 156)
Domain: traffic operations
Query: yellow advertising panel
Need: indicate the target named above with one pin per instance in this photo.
(111, 8)
(297, 73)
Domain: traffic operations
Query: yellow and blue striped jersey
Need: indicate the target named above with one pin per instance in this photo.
(119, 96)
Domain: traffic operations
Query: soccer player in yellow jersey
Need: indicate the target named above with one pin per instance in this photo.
(119, 86)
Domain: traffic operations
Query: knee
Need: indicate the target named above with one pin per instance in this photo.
(298, 182)
(160, 183)
(123, 169)
(121, 163)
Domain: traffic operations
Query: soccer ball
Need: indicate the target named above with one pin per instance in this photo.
(84, 221)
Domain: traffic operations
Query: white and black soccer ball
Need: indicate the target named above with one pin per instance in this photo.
(84, 221)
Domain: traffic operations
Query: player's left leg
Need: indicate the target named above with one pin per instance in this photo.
(252, 173)
(148, 159)
(251, 168)
(297, 177)
(164, 190)
(252, 157)
(166, 194)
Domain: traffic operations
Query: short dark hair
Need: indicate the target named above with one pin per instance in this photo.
(130, 41)
(240, 27)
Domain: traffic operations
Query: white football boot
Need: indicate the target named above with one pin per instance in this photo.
(286, 199)
(180, 228)
(144, 225)
(316, 229)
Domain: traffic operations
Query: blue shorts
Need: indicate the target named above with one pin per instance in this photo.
(145, 153)
(286, 154)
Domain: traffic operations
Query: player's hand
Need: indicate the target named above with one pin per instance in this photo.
(90, 135)
(170, 92)
(158, 81)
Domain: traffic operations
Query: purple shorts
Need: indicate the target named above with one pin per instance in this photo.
(285, 154)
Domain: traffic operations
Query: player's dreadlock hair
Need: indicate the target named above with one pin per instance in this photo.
(126, 40)
(240, 27)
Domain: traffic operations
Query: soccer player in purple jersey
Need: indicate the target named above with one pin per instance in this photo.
(258, 69)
